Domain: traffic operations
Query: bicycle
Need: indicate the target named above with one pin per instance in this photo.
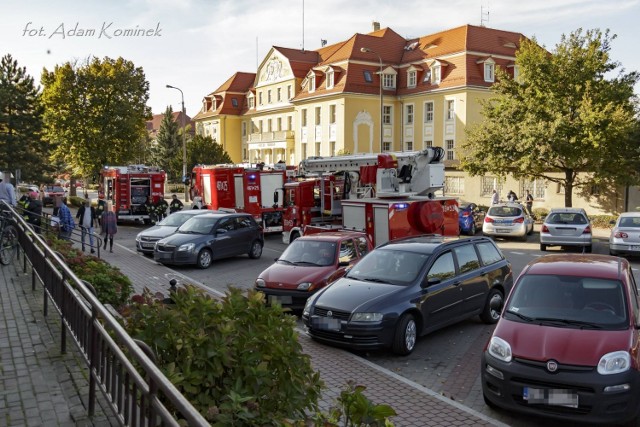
(8, 239)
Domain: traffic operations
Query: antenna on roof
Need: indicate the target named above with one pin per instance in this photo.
(484, 16)
(303, 25)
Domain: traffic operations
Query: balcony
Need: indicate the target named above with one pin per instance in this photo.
(276, 136)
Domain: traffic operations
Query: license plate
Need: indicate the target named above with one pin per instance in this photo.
(554, 397)
(327, 323)
(148, 245)
(634, 248)
(282, 300)
(502, 230)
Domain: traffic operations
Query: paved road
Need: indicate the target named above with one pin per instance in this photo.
(446, 361)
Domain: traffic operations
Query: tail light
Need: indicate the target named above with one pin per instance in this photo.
(621, 235)
(518, 220)
(545, 229)
(487, 219)
(587, 230)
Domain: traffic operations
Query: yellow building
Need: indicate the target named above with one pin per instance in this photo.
(339, 99)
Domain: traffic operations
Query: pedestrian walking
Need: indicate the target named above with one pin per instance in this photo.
(495, 197)
(528, 199)
(109, 223)
(66, 220)
(175, 205)
(7, 191)
(151, 210)
(87, 218)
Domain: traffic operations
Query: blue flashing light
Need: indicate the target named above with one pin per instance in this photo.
(400, 206)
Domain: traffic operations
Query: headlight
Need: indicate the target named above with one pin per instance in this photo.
(187, 247)
(500, 349)
(138, 238)
(307, 308)
(260, 283)
(304, 286)
(614, 363)
(366, 317)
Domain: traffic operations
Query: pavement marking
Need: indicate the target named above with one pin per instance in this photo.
(184, 277)
(517, 253)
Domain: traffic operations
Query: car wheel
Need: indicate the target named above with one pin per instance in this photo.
(588, 249)
(492, 307)
(293, 236)
(404, 340)
(543, 247)
(204, 259)
(256, 250)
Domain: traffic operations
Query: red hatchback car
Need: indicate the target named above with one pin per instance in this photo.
(310, 263)
(567, 343)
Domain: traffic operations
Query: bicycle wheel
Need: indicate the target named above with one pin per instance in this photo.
(8, 243)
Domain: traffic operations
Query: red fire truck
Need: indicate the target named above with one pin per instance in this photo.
(128, 187)
(241, 189)
(387, 195)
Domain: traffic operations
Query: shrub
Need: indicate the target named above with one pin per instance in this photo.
(602, 221)
(76, 201)
(237, 360)
(540, 214)
(111, 286)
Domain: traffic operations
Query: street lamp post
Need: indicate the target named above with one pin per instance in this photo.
(184, 144)
(367, 50)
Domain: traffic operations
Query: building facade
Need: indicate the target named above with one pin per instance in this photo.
(371, 93)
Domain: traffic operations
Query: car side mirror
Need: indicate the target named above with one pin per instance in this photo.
(220, 231)
(429, 282)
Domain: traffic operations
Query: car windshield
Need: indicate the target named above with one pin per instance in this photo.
(198, 225)
(55, 189)
(309, 253)
(569, 301)
(389, 266)
(505, 211)
(566, 218)
(175, 219)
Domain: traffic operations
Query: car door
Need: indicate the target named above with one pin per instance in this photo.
(223, 243)
(441, 298)
(473, 281)
(244, 234)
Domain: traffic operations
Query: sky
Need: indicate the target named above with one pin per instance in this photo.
(196, 45)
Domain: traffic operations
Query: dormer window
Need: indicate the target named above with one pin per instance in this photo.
(311, 81)
(489, 71)
(330, 77)
(411, 78)
(389, 81)
(252, 101)
(436, 74)
(234, 102)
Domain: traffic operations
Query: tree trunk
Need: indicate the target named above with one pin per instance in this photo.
(568, 188)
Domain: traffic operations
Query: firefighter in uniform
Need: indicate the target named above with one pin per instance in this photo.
(151, 209)
(161, 209)
(175, 205)
(102, 206)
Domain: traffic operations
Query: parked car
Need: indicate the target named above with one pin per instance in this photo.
(507, 220)
(566, 227)
(146, 240)
(211, 236)
(566, 345)
(470, 219)
(406, 288)
(310, 263)
(50, 194)
(625, 234)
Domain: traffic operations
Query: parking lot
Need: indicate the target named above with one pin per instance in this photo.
(446, 361)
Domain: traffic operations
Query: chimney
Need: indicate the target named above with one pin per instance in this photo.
(376, 26)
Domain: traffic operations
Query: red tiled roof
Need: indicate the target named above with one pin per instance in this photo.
(153, 125)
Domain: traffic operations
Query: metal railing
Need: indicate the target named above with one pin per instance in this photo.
(119, 366)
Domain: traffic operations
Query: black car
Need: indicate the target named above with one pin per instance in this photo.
(407, 288)
(146, 240)
(215, 235)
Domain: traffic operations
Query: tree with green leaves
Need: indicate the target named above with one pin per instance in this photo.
(95, 113)
(568, 118)
(21, 144)
(166, 150)
(204, 150)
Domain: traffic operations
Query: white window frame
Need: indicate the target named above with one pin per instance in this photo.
(279, 94)
(412, 78)
(332, 113)
(387, 114)
(436, 74)
(428, 143)
(330, 78)
(489, 72)
(312, 82)
(388, 81)
(318, 115)
(408, 114)
(450, 148)
(490, 183)
(428, 111)
(454, 185)
(303, 117)
(451, 109)
(259, 98)
(269, 96)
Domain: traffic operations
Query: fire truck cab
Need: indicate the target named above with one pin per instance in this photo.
(128, 188)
